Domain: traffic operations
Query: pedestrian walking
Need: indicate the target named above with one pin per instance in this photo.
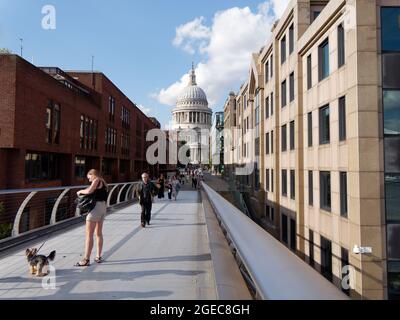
(161, 182)
(95, 218)
(176, 186)
(194, 181)
(145, 191)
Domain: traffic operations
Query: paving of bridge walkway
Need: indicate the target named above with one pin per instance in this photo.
(170, 259)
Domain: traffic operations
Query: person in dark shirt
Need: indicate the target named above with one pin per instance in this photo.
(95, 218)
(161, 182)
(145, 192)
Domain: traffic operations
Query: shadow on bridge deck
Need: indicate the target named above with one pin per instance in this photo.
(170, 259)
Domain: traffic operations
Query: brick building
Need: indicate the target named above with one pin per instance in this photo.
(56, 125)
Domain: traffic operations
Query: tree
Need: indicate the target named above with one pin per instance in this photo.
(5, 228)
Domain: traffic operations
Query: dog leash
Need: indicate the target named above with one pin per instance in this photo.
(38, 250)
(41, 246)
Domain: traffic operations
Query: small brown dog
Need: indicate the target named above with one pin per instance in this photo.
(37, 263)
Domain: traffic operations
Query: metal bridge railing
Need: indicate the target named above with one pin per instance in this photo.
(274, 271)
(24, 210)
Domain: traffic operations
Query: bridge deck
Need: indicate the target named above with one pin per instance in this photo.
(170, 259)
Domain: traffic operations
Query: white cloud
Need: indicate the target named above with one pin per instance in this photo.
(145, 110)
(226, 47)
(279, 7)
(191, 34)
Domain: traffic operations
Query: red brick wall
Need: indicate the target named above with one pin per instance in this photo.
(28, 90)
(7, 100)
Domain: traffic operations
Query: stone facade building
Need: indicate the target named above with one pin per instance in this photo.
(190, 117)
(319, 119)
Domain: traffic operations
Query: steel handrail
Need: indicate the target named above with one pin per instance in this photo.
(277, 273)
(31, 192)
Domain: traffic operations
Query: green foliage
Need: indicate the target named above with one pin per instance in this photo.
(5, 228)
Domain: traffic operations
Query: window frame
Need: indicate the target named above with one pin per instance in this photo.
(323, 64)
(325, 190)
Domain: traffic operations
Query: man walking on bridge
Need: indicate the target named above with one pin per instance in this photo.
(145, 192)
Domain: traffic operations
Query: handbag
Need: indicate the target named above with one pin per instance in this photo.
(86, 202)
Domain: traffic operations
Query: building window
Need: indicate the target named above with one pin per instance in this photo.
(126, 117)
(125, 144)
(111, 140)
(291, 87)
(267, 179)
(390, 17)
(284, 139)
(325, 190)
(283, 50)
(324, 125)
(42, 166)
(341, 46)
(53, 119)
(391, 103)
(394, 280)
(393, 240)
(272, 103)
(245, 102)
(326, 258)
(257, 109)
(272, 141)
(111, 108)
(80, 167)
(292, 185)
(311, 247)
(106, 167)
(392, 191)
(342, 118)
(267, 143)
(291, 39)
(293, 235)
(310, 188)
(283, 94)
(291, 135)
(48, 124)
(272, 66)
(88, 133)
(272, 180)
(57, 119)
(266, 107)
(390, 62)
(315, 14)
(284, 183)
(257, 178)
(309, 72)
(284, 229)
(323, 62)
(310, 129)
(266, 72)
(257, 146)
(343, 194)
(82, 132)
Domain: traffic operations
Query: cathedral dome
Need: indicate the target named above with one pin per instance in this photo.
(192, 95)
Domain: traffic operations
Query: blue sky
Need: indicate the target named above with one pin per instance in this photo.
(132, 42)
